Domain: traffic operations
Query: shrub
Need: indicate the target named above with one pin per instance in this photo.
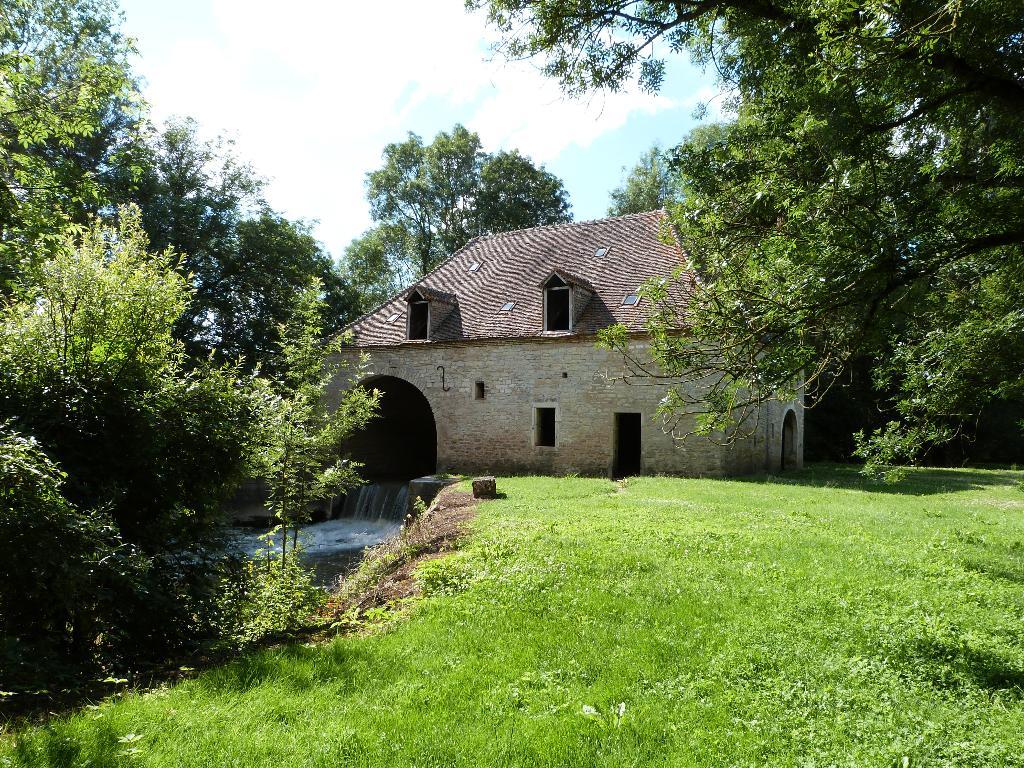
(150, 442)
(61, 573)
(268, 596)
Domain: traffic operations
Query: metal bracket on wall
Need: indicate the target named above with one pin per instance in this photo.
(444, 388)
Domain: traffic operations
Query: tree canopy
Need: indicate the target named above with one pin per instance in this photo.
(75, 141)
(429, 200)
(245, 261)
(65, 91)
(868, 199)
(649, 185)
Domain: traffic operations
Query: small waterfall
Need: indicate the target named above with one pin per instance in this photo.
(385, 500)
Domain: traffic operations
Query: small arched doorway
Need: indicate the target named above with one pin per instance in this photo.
(400, 443)
(790, 454)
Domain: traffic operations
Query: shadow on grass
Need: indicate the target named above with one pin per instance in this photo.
(52, 748)
(949, 663)
(923, 481)
(296, 667)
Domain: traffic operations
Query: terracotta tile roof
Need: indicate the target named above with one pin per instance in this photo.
(514, 264)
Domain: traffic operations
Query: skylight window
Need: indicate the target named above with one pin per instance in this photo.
(600, 252)
(394, 317)
(630, 300)
(474, 266)
(508, 306)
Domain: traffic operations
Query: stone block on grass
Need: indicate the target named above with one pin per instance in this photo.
(485, 487)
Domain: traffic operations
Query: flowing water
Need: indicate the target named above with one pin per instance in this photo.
(369, 515)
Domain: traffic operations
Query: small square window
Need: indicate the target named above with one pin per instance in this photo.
(508, 306)
(600, 252)
(479, 391)
(630, 300)
(544, 427)
(474, 266)
(394, 317)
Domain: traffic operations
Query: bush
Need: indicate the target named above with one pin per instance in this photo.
(61, 573)
(268, 596)
(126, 549)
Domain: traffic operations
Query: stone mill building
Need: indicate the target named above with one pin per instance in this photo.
(489, 364)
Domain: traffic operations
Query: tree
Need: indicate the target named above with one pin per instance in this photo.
(654, 182)
(429, 199)
(868, 200)
(647, 187)
(303, 456)
(274, 258)
(152, 444)
(516, 194)
(67, 98)
(245, 261)
(62, 575)
(377, 264)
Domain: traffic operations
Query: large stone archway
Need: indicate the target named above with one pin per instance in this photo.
(400, 443)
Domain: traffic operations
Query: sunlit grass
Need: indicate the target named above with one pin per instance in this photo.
(817, 621)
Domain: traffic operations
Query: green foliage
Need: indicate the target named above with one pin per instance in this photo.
(867, 201)
(66, 94)
(429, 199)
(245, 261)
(515, 194)
(650, 185)
(267, 597)
(151, 447)
(377, 264)
(302, 457)
(825, 620)
(447, 575)
(61, 576)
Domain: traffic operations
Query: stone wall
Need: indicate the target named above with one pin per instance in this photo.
(585, 386)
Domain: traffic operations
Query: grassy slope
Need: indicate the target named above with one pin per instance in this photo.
(816, 622)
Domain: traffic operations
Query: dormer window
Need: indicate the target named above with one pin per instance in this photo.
(565, 298)
(426, 311)
(419, 319)
(557, 305)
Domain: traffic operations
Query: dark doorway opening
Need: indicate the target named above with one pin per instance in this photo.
(789, 452)
(400, 443)
(545, 427)
(627, 444)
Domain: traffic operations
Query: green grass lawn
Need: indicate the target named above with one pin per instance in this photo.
(814, 622)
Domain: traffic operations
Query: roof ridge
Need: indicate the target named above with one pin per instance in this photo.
(566, 224)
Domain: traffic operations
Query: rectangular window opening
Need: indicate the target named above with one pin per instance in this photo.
(557, 309)
(544, 427)
(419, 312)
(480, 391)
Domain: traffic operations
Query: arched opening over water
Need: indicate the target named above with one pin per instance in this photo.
(400, 443)
(790, 456)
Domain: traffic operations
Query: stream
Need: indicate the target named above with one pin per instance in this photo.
(369, 515)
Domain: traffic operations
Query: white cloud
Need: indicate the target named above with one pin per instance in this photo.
(313, 93)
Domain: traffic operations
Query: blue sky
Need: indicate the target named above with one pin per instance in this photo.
(312, 91)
